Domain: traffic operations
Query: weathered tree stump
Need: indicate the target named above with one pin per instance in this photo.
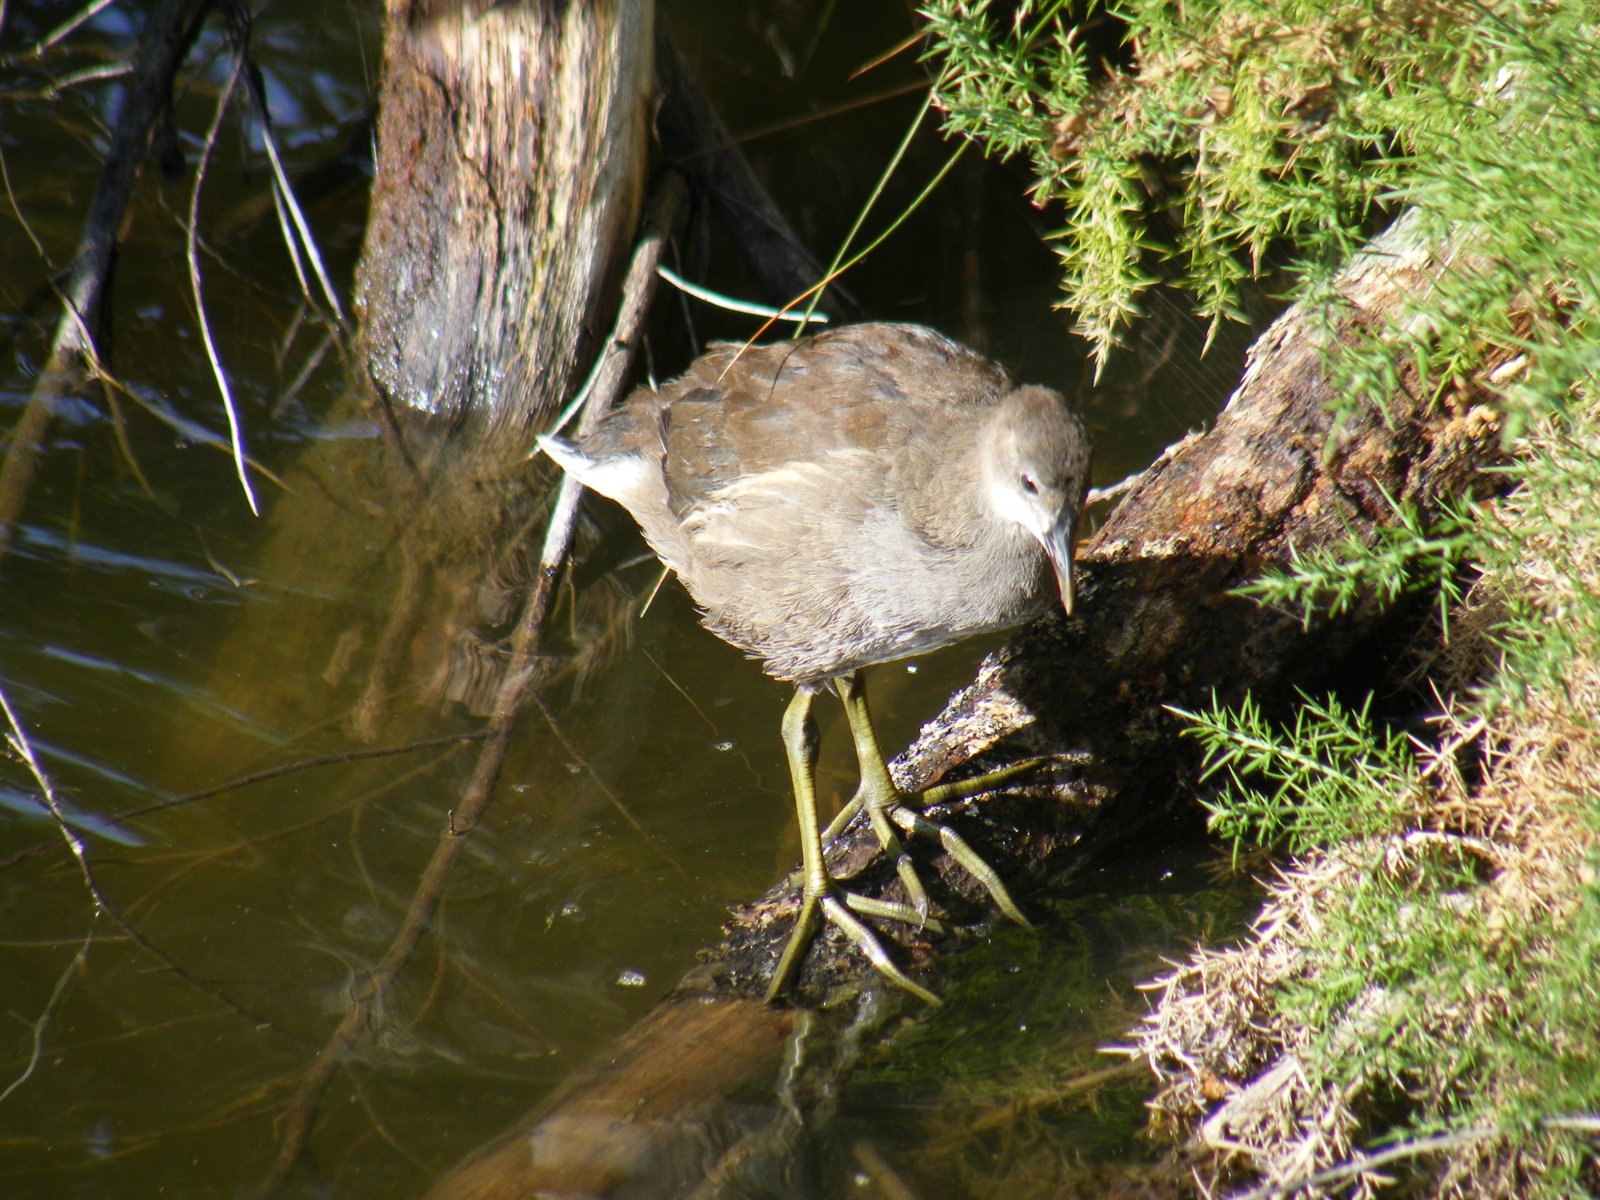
(512, 153)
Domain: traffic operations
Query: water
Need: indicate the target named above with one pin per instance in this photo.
(157, 641)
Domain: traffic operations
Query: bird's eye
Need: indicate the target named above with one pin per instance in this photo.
(1028, 485)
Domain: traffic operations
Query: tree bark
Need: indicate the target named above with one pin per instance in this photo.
(512, 152)
(1156, 627)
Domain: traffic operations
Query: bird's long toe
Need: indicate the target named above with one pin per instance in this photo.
(839, 908)
(976, 785)
(871, 948)
(958, 848)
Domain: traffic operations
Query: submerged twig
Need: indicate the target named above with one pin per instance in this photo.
(190, 431)
(41, 1026)
(18, 740)
(192, 255)
(255, 777)
(615, 800)
(16, 209)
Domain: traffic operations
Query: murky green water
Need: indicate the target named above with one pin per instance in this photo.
(156, 640)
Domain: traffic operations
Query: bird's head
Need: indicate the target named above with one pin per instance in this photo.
(1036, 466)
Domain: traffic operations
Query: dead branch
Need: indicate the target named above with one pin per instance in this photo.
(168, 31)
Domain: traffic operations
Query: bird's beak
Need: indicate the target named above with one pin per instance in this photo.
(1058, 548)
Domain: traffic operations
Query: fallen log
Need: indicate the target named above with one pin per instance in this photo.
(1157, 625)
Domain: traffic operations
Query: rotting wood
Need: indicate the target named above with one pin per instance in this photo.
(512, 147)
(1156, 626)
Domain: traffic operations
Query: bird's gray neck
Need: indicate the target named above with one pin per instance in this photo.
(952, 499)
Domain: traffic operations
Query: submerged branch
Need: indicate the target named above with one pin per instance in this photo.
(18, 740)
(255, 777)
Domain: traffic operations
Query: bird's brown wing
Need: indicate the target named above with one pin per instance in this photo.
(863, 390)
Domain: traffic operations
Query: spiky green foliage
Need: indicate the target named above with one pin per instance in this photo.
(1551, 531)
(1446, 941)
(1233, 129)
(1411, 554)
(1329, 777)
(1435, 945)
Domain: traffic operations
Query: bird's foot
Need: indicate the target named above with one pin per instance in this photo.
(836, 908)
(890, 815)
(956, 846)
(904, 810)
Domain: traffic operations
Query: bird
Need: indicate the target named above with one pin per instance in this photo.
(838, 501)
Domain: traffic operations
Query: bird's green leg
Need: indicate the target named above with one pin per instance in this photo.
(817, 893)
(887, 806)
(876, 792)
(800, 747)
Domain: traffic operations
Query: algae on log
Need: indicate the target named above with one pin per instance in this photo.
(511, 165)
